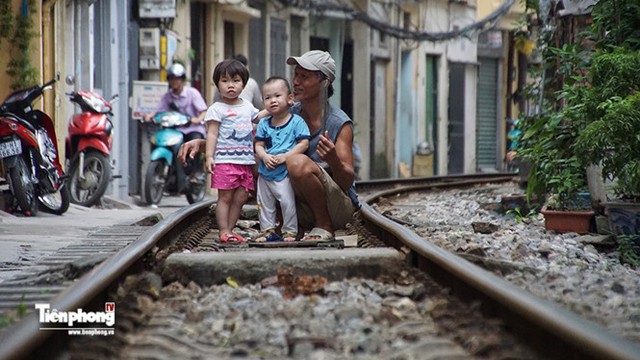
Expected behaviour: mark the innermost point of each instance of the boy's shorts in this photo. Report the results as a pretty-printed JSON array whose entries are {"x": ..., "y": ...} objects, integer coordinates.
[
  {"x": 341, "y": 209},
  {"x": 232, "y": 176}
]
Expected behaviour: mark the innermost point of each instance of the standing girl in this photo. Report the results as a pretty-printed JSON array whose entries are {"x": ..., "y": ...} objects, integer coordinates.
[{"x": 229, "y": 146}]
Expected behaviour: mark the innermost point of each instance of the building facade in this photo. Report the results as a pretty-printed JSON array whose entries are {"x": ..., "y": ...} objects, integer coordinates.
[{"x": 426, "y": 98}]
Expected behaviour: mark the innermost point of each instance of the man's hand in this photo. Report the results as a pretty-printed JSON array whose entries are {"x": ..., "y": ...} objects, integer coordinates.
[
  {"x": 326, "y": 149},
  {"x": 191, "y": 149}
]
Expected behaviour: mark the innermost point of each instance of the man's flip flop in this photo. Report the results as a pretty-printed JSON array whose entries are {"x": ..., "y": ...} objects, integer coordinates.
[{"x": 318, "y": 234}]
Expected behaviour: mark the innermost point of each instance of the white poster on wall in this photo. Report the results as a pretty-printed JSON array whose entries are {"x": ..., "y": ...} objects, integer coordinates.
[
  {"x": 157, "y": 8},
  {"x": 146, "y": 96},
  {"x": 172, "y": 46}
]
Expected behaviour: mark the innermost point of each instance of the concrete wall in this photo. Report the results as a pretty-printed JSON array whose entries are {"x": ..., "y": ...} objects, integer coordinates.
[{"x": 361, "y": 97}]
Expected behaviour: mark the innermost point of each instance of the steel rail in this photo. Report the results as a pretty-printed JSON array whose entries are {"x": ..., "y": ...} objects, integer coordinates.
[
  {"x": 390, "y": 183},
  {"x": 558, "y": 332},
  {"x": 20, "y": 341}
]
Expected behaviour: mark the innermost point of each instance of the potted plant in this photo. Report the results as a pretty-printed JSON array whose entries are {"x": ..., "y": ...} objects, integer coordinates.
[
  {"x": 612, "y": 141},
  {"x": 557, "y": 176},
  {"x": 611, "y": 109}
]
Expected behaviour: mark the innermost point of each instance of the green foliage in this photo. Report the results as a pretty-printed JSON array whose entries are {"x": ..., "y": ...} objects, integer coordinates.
[
  {"x": 549, "y": 145},
  {"x": 616, "y": 23},
  {"x": 613, "y": 140},
  {"x": 611, "y": 114},
  {"x": 629, "y": 249},
  {"x": 22, "y": 307},
  {"x": 570, "y": 58},
  {"x": 6, "y": 18},
  {"x": 19, "y": 67},
  {"x": 615, "y": 71},
  {"x": 10, "y": 318},
  {"x": 6, "y": 320},
  {"x": 589, "y": 98},
  {"x": 519, "y": 216}
]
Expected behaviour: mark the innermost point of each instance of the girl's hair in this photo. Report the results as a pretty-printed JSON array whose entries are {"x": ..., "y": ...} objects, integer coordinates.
[
  {"x": 276, "y": 78},
  {"x": 231, "y": 68}
]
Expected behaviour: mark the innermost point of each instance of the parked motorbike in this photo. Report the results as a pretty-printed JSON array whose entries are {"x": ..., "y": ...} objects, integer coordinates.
[
  {"x": 29, "y": 153},
  {"x": 88, "y": 147},
  {"x": 165, "y": 173}
]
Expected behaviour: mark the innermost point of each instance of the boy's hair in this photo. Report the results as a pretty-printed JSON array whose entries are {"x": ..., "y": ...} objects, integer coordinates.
[
  {"x": 276, "y": 78},
  {"x": 230, "y": 67}
]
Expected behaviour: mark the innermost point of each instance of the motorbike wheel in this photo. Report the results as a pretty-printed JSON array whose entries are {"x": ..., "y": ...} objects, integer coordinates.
[
  {"x": 97, "y": 174},
  {"x": 195, "y": 190},
  {"x": 56, "y": 203},
  {"x": 23, "y": 188},
  {"x": 156, "y": 179}
]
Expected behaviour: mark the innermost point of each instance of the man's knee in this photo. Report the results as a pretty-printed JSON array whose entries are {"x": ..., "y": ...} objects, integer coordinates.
[{"x": 298, "y": 166}]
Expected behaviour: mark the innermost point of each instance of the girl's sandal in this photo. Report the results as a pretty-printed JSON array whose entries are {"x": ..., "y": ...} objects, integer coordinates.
[{"x": 231, "y": 238}]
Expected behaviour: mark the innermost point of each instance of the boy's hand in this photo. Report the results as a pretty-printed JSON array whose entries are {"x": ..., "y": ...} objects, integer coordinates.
[{"x": 271, "y": 162}]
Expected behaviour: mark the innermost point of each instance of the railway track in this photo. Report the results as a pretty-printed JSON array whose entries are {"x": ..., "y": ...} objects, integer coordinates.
[{"x": 158, "y": 250}]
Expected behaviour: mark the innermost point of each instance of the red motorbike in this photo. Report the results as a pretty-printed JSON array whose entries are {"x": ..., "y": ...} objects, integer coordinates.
[
  {"x": 88, "y": 147},
  {"x": 29, "y": 152}
]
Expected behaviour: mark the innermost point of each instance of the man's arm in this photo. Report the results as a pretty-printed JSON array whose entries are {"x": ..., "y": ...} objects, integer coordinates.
[
  {"x": 147, "y": 117},
  {"x": 257, "y": 96},
  {"x": 199, "y": 106},
  {"x": 162, "y": 106},
  {"x": 198, "y": 119}
]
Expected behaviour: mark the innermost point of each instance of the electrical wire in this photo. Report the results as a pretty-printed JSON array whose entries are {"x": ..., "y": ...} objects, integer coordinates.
[{"x": 319, "y": 7}]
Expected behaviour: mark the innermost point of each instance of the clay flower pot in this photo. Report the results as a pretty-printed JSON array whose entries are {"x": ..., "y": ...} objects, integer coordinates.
[{"x": 564, "y": 221}]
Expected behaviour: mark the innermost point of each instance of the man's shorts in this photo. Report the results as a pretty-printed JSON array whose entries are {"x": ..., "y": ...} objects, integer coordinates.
[
  {"x": 340, "y": 207},
  {"x": 232, "y": 176}
]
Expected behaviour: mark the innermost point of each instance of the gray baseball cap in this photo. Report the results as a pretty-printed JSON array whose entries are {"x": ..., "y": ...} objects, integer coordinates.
[{"x": 316, "y": 60}]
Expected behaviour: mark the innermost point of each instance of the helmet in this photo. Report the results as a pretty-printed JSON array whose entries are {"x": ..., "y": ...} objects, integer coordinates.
[{"x": 176, "y": 70}]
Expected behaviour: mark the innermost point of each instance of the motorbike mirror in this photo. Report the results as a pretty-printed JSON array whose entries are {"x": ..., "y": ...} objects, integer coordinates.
[
  {"x": 70, "y": 80},
  {"x": 114, "y": 99}
]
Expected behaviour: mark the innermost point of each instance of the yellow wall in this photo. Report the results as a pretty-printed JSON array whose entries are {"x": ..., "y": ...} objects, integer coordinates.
[
  {"x": 35, "y": 49},
  {"x": 486, "y": 7}
]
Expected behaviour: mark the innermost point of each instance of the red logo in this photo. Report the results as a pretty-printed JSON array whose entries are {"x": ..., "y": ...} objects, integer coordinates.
[{"x": 109, "y": 307}]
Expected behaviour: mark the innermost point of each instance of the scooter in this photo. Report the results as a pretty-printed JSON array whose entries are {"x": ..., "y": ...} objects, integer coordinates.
[
  {"x": 165, "y": 173},
  {"x": 29, "y": 153},
  {"x": 88, "y": 147}
]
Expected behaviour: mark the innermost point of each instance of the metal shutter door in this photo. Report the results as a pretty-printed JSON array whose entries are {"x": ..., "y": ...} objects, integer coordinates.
[{"x": 487, "y": 115}]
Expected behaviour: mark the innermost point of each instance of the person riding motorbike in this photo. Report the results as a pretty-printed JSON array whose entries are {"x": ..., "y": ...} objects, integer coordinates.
[{"x": 187, "y": 101}]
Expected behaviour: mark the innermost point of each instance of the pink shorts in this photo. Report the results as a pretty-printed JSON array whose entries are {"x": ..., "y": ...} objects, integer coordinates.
[{"x": 232, "y": 176}]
